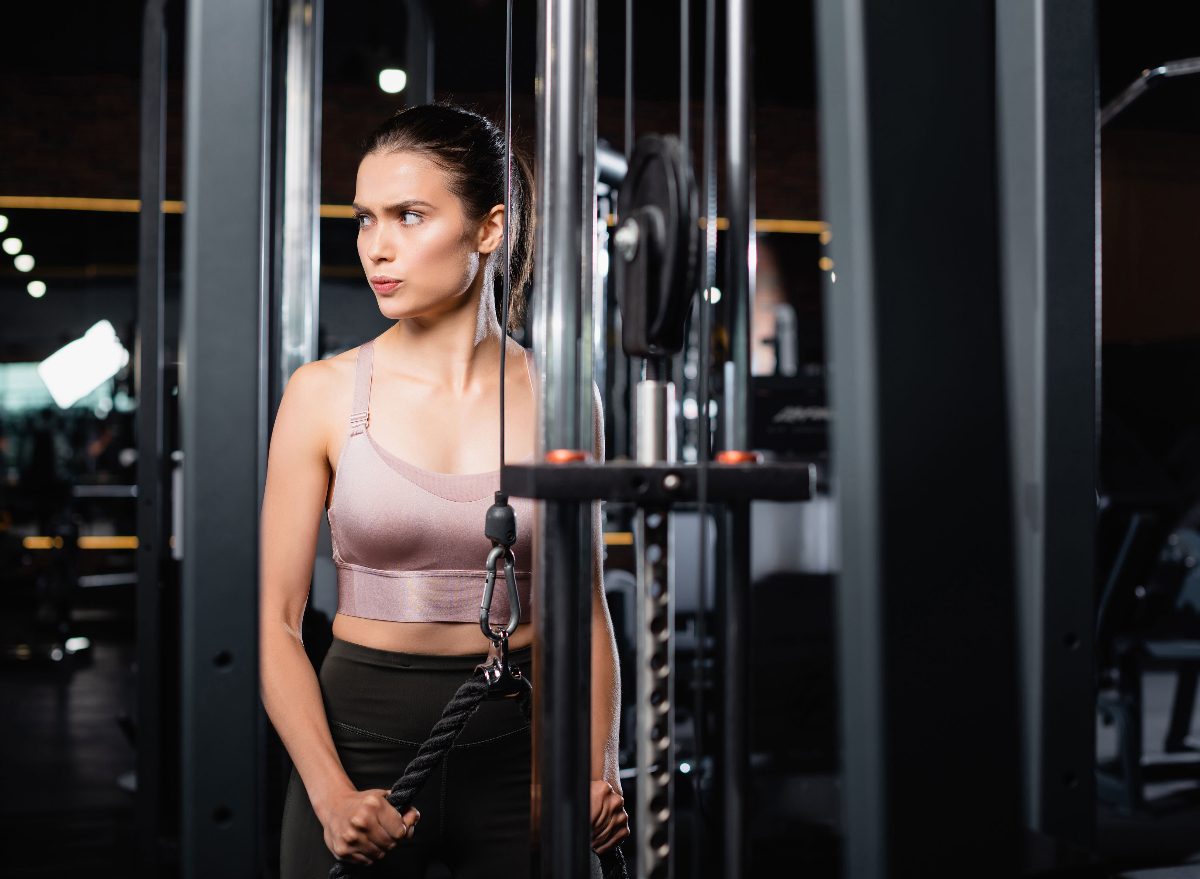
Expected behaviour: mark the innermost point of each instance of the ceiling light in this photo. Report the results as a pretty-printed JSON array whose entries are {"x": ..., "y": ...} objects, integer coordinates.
[
  {"x": 3, "y": 222},
  {"x": 75, "y": 370},
  {"x": 24, "y": 263},
  {"x": 12, "y": 246},
  {"x": 392, "y": 80},
  {"x": 37, "y": 289}
]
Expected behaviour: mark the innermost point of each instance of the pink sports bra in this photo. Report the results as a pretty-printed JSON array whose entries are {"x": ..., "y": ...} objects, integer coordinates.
[{"x": 408, "y": 543}]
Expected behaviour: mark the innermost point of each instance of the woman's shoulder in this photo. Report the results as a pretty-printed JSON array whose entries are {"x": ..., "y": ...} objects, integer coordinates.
[
  {"x": 320, "y": 378},
  {"x": 320, "y": 390}
]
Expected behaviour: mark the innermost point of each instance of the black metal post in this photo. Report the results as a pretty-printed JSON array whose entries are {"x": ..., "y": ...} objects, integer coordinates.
[
  {"x": 1046, "y": 93},
  {"x": 926, "y": 595},
  {"x": 1071, "y": 406},
  {"x": 563, "y": 669},
  {"x": 223, "y": 398},
  {"x": 150, "y": 471},
  {"x": 735, "y": 692},
  {"x": 419, "y": 88}
]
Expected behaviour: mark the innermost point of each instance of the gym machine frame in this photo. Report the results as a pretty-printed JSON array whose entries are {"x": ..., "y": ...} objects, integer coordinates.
[{"x": 569, "y": 480}]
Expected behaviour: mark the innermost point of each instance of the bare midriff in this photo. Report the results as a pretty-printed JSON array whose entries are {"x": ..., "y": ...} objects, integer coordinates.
[{"x": 439, "y": 639}]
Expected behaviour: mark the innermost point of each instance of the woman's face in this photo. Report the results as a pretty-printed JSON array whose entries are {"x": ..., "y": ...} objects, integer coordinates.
[{"x": 422, "y": 256}]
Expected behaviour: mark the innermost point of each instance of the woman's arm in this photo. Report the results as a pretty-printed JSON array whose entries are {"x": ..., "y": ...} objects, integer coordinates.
[
  {"x": 359, "y": 826},
  {"x": 610, "y": 824}
]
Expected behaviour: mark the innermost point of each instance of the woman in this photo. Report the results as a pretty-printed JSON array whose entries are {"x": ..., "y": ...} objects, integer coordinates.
[{"x": 398, "y": 441}]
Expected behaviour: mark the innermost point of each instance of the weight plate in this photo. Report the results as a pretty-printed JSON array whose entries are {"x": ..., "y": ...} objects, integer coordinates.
[{"x": 660, "y": 177}]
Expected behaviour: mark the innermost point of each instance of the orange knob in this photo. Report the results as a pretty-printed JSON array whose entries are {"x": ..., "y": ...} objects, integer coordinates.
[
  {"x": 566, "y": 456},
  {"x": 735, "y": 456}
]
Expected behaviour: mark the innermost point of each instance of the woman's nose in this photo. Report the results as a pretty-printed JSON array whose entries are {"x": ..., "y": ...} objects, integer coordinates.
[{"x": 379, "y": 246}]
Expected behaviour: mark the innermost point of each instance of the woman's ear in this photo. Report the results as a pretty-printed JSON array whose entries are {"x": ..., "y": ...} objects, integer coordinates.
[{"x": 491, "y": 230}]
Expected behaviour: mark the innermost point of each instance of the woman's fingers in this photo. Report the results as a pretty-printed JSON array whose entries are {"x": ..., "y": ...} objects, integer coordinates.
[
  {"x": 391, "y": 822},
  {"x": 610, "y": 824},
  {"x": 617, "y": 830},
  {"x": 601, "y": 805},
  {"x": 355, "y": 841}
]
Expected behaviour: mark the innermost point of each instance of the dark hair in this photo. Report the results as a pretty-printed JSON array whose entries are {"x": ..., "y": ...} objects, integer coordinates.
[{"x": 470, "y": 149}]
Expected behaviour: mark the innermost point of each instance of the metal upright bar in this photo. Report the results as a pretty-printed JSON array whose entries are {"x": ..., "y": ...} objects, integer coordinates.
[
  {"x": 419, "y": 89},
  {"x": 735, "y": 714},
  {"x": 1045, "y": 65},
  {"x": 850, "y": 321},
  {"x": 927, "y": 629},
  {"x": 734, "y": 613},
  {"x": 151, "y": 471},
  {"x": 704, "y": 438},
  {"x": 563, "y": 575},
  {"x": 223, "y": 402},
  {"x": 299, "y": 302},
  {"x": 1072, "y": 384},
  {"x": 739, "y": 166}
]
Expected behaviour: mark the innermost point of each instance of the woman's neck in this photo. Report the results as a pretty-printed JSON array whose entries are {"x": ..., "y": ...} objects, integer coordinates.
[{"x": 451, "y": 348}]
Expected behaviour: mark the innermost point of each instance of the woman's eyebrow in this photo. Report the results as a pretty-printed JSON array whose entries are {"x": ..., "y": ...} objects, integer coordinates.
[{"x": 409, "y": 204}]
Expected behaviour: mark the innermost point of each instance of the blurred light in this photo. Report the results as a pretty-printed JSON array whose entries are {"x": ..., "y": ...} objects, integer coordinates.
[
  {"x": 75, "y": 370},
  {"x": 37, "y": 289},
  {"x": 77, "y": 643},
  {"x": 833, "y": 277},
  {"x": 24, "y": 263},
  {"x": 685, "y": 768},
  {"x": 392, "y": 80},
  {"x": 42, "y": 543},
  {"x": 107, "y": 542},
  {"x": 713, "y": 294},
  {"x": 12, "y": 246},
  {"x": 690, "y": 409},
  {"x": 825, "y": 263},
  {"x": 56, "y": 654},
  {"x": 3, "y": 222},
  {"x": 825, "y": 237}
]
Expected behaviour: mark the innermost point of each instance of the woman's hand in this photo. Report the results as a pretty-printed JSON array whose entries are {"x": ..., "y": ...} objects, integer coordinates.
[
  {"x": 610, "y": 824},
  {"x": 361, "y": 826}
]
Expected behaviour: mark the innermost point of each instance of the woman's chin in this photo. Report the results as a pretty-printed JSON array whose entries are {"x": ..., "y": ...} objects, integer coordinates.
[{"x": 391, "y": 307}]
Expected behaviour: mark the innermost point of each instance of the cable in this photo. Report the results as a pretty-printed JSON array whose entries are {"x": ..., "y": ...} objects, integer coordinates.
[
  {"x": 506, "y": 245},
  {"x": 685, "y": 80},
  {"x": 629, "y": 79}
]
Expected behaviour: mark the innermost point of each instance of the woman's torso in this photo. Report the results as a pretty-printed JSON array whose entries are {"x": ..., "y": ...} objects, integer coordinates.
[{"x": 408, "y": 541}]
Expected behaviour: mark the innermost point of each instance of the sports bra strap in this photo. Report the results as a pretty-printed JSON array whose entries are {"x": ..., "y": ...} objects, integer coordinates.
[{"x": 362, "y": 388}]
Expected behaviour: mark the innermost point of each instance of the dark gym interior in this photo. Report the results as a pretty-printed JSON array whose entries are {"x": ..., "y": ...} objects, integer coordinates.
[{"x": 1091, "y": 771}]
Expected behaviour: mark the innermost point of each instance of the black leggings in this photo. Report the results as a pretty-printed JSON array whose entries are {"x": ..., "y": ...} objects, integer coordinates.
[{"x": 474, "y": 808}]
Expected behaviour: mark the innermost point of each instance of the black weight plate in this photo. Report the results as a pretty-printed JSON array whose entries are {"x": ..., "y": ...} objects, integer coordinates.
[{"x": 658, "y": 175}]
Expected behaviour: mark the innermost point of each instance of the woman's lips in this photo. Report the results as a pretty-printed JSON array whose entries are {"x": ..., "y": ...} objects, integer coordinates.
[{"x": 384, "y": 284}]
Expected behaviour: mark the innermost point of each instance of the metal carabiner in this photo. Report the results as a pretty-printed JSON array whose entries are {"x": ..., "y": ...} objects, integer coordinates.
[
  {"x": 503, "y": 678},
  {"x": 514, "y": 600}
]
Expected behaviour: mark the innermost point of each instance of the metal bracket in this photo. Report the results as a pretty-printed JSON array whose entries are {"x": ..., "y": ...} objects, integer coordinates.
[{"x": 659, "y": 483}]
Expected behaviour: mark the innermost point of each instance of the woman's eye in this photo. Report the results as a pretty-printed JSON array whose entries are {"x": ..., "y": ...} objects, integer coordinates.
[
  {"x": 410, "y": 218},
  {"x": 362, "y": 220}
]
